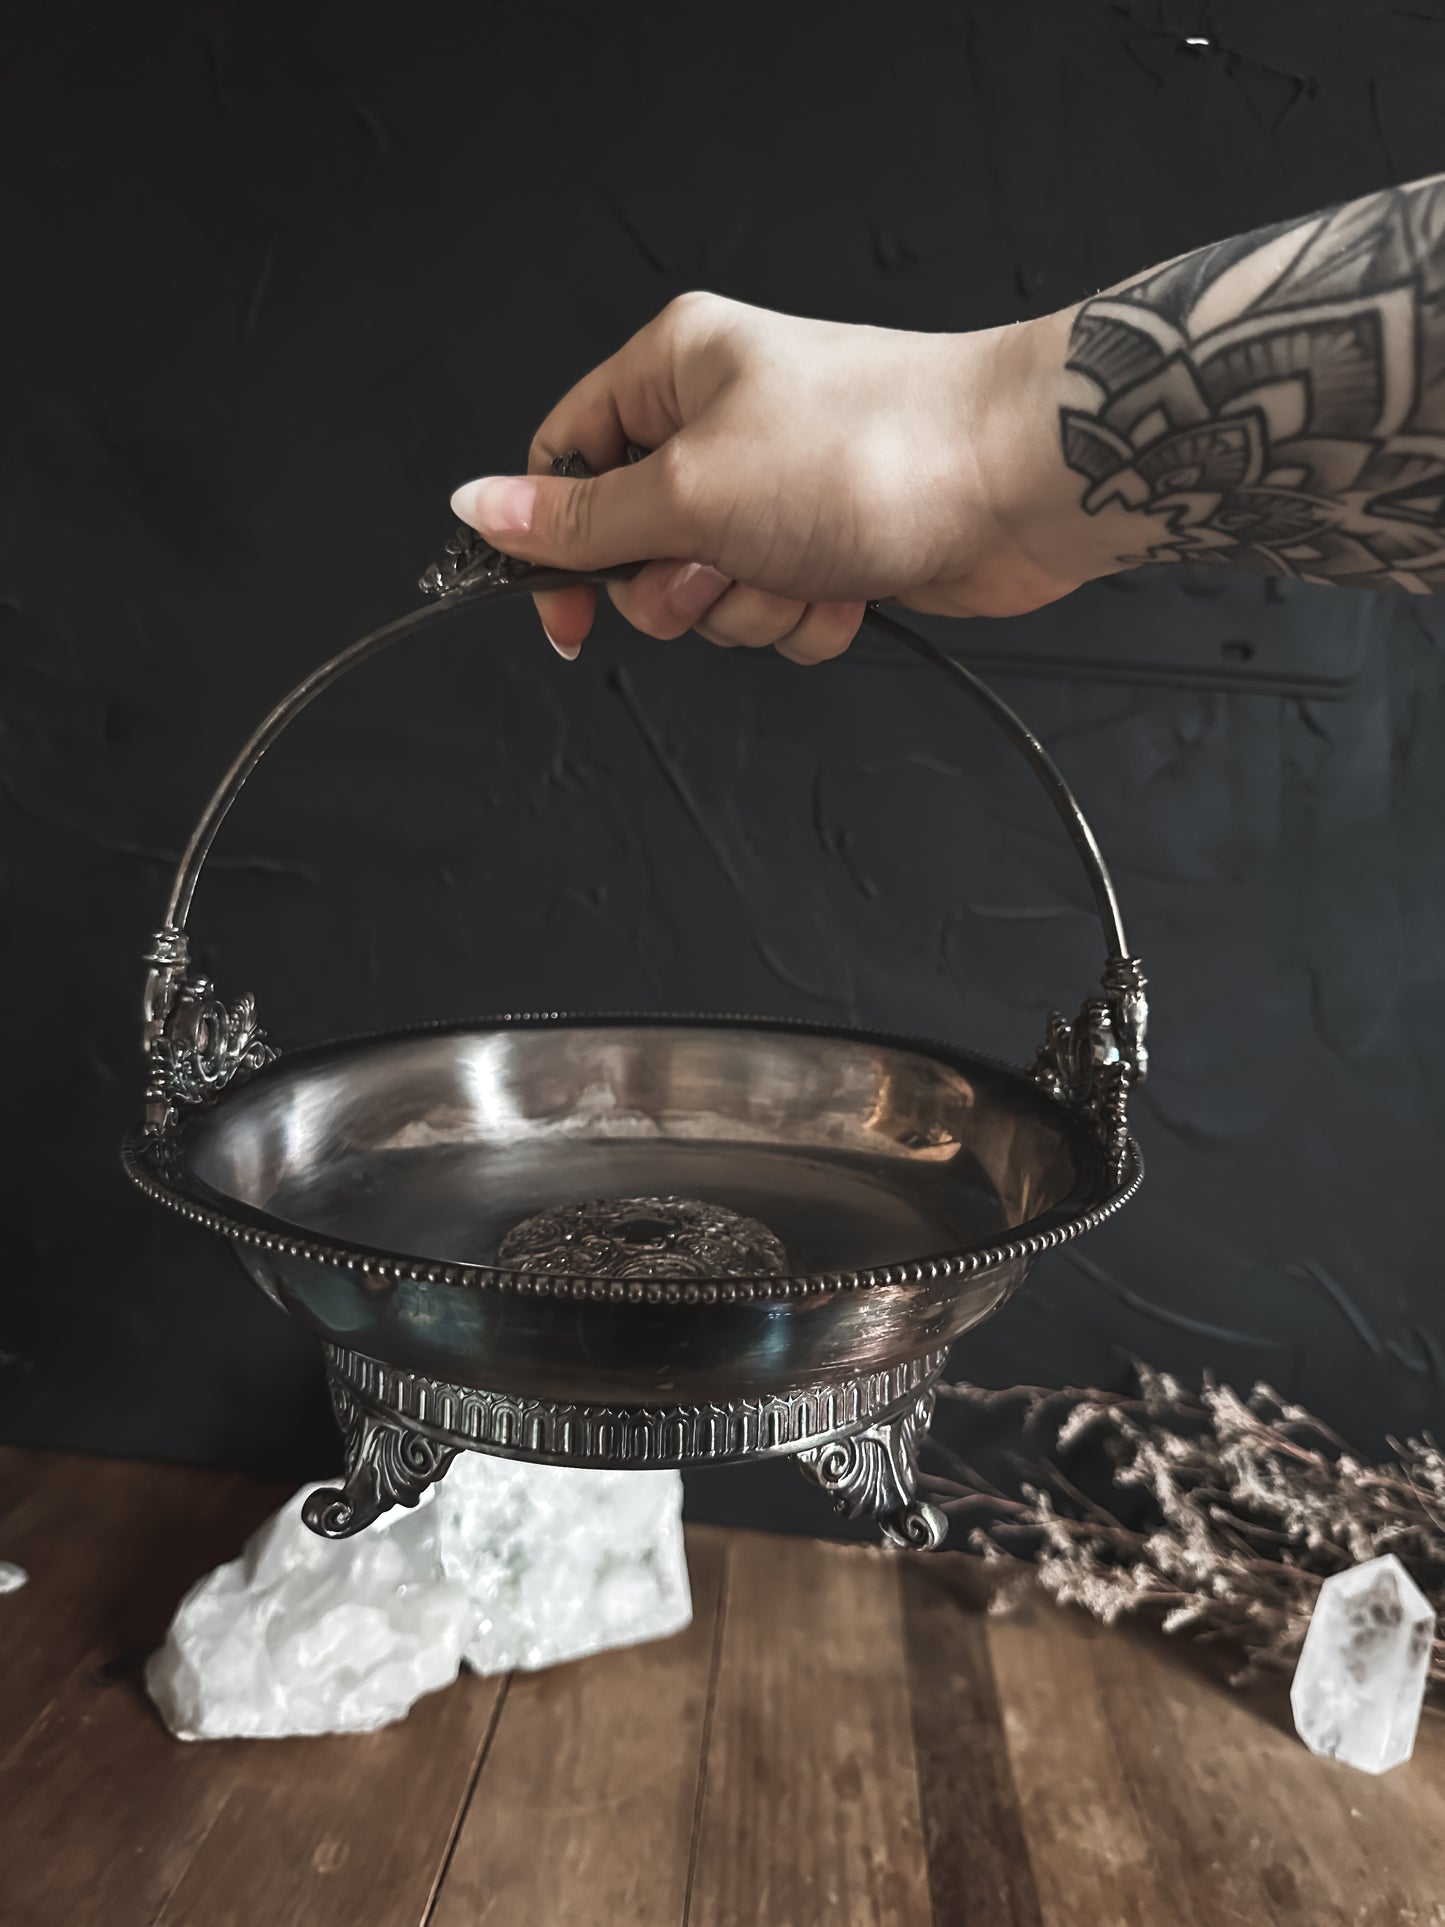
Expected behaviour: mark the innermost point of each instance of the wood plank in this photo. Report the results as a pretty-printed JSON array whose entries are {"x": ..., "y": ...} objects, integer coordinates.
[
  {"x": 22, "y": 1468},
  {"x": 1153, "y": 1791},
  {"x": 584, "y": 1810},
  {"x": 105, "y": 1819},
  {"x": 810, "y": 1811},
  {"x": 1247, "y": 1822},
  {"x": 110, "y": 1546},
  {"x": 1065, "y": 1775},
  {"x": 978, "y": 1861},
  {"x": 102, "y": 1813},
  {"x": 112, "y": 1823},
  {"x": 1093, "y": 1857},
  {"x": 341, "y": 1831}
]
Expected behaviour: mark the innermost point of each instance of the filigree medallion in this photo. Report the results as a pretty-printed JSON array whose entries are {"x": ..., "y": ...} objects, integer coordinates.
[{"x": 644, "y": 1238}]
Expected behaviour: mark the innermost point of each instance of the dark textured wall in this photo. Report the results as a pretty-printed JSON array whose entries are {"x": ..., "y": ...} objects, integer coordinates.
[{"x": 277, "y": 280}]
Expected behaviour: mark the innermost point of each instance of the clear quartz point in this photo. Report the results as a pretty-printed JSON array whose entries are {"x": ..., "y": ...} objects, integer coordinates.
[{"x": 1360, "y": 1680}]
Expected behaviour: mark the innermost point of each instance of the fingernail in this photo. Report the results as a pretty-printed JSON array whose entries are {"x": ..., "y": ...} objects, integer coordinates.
[
  {"x": 497, "y": 504},
  {"x": 568, "y": 653},
  {"x": 694, "y": 587}
]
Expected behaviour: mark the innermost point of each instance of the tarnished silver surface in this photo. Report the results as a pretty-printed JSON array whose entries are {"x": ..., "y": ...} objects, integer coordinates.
[
  {"x": 667, "y": 1232},
  {"x": 643, "y": 1238},
  {"x": 196, "y": 1044},
  {"x": 857, "y": 1437},
  {"x": 388, "y": 1463},
  {"x": 620, "y": 1436},
  {"x": 1094, "y": 1062},
  {"x": 369, "y": 1186},
  {"x": 873, "y": 1474}
]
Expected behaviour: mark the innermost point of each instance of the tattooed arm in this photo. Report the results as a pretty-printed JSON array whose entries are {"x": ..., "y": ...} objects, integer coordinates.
[{"x": 1275, "y": 401}]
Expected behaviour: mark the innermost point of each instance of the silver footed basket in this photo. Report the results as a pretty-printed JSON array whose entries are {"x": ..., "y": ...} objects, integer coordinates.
[{"x": 632, "y": 1241}]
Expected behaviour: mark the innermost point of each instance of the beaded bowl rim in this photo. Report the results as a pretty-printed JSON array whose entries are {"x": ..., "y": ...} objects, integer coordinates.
[{"x": 154, "y": 1159}]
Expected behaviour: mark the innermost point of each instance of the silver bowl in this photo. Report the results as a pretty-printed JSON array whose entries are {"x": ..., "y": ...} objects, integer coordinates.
[{"x": 633, "y": 1241}]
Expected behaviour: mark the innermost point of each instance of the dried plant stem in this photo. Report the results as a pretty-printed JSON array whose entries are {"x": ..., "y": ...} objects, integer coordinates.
[{"x": 1251, "y": 1504}]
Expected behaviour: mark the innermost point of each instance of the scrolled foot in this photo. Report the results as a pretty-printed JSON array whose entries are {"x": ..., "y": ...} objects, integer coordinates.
[
  {"x": 874, "y": 1475},
  {"x": 919, "y": 1526},
  {"x": 387, "y": 1464}
]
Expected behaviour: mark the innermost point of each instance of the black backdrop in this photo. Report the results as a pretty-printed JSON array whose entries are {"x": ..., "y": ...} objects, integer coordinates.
[{"x": 278, "y": 279}]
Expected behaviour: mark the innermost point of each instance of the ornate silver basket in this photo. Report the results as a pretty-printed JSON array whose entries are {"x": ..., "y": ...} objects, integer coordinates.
[{"x": 632, "y": 1241}]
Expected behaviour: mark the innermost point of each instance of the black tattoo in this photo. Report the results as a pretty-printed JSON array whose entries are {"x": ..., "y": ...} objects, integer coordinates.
[{"x": 1301, "y": 430}]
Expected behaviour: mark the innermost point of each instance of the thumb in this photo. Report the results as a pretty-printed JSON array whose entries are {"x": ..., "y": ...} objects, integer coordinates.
[{"x": 627, "y": 514}]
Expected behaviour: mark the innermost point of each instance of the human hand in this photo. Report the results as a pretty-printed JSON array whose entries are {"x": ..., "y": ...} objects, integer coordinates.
[{"x": 799, "y": 470}]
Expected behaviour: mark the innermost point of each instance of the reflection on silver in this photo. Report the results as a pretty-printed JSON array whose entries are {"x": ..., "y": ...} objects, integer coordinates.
[
  {"x": 374, "y": 1188},
  {"x": 644, "y": 1238}
]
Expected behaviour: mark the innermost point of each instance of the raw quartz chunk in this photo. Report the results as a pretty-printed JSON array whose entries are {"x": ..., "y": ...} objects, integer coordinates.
[
  {"x": 1360, "y": 1681},
  {"x": 502, "y": 1565}
]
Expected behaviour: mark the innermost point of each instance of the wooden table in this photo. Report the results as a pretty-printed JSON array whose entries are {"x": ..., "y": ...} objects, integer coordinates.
[{"x": 843, "y": 1736}]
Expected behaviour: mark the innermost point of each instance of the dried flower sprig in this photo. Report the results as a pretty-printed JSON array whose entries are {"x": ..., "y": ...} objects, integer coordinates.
[{"x": 1250, "y": 1504}]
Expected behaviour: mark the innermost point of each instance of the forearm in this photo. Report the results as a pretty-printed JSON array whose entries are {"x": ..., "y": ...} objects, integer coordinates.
[{"x": 1276, "y": 401}]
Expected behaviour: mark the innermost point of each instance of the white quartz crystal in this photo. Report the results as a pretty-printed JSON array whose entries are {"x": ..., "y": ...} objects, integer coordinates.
[
  {"x": 557, "y": 1563},
  {"x": 12, "y": 1577},
  {"x": 1360, "y": 1681},
  {"x": 501, "y": 1565}
]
